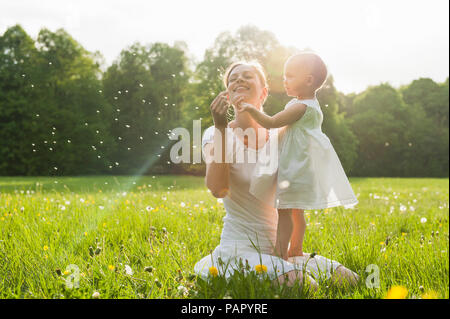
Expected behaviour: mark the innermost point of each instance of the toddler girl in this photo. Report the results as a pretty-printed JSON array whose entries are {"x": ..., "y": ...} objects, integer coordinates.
[{"x": 310, "y": 175}]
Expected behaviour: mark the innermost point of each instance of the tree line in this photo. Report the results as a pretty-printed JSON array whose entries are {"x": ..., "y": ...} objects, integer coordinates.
[{"x": 63, "y": 112}]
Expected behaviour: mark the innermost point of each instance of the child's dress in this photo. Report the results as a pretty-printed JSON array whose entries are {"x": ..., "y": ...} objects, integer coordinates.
[{"x": 310, "y": 174}]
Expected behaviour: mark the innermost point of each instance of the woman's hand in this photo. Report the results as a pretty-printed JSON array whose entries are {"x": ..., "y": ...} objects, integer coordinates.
[{"x": 219, "y": 109}]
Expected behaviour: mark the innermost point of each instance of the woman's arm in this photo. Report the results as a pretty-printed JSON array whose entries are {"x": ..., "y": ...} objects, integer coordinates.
[
  {"x": 217, "y": 174},
  {"x": 285, "y": 117}
]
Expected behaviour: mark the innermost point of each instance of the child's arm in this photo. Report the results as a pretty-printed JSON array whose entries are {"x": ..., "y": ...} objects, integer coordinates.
[{"x": 283, "y": 118}]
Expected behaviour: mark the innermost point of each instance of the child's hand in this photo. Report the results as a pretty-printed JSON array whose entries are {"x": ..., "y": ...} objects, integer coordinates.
[{"x": 245, "y": 107}]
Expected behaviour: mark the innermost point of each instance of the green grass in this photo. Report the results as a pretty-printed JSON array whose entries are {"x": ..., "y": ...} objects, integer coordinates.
[{"x": 170, "y": 222}]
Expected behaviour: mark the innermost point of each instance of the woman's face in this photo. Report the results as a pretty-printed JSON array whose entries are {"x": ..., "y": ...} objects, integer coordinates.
[{"x": 244, "y": 81}]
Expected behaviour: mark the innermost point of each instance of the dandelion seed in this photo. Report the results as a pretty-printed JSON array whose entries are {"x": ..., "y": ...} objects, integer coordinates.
[
  {"x": 423, "y": 220},
  {"x": 128, "y": 270},
  {"x": 140, "y": 84},
  {"x": 402, "y": 208},
  {"x": 96, "y": 295},
  {"x": 283, "y": 184},
  {"x": 182, "y": 204},
  {"x": 101, "y": 207}
]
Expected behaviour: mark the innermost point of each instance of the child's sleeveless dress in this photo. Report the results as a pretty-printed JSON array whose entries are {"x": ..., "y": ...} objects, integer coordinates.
[{"x": 310, "y": 174}]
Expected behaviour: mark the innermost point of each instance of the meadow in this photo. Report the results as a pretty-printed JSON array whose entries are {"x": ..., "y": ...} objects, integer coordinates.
[{"x": 140, "y": 237}]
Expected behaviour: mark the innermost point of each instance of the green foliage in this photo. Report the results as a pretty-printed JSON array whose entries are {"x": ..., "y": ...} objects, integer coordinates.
[
  {"x": 61, "y": 115},
  {"x": 103, "y": 223}
]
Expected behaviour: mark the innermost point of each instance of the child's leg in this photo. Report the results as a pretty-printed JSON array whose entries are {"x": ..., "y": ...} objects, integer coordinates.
[
  {"x": 298, "y": 233},
  {"x": 284, "y": 233}
]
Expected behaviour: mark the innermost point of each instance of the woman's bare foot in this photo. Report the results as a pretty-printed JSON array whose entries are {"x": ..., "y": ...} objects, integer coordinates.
[
  {"x": 343, "y": 276},
  {"x": 293, "y": 276}
]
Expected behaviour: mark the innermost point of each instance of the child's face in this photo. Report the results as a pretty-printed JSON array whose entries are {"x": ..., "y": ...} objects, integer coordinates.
[{"x": 297, "y": 78}]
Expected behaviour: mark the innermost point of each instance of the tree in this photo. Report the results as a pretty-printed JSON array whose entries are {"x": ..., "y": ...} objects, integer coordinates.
[{"x": 146, "y": 87}]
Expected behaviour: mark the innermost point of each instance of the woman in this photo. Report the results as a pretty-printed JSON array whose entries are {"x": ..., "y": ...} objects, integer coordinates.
[{"x": 250, "y": 225}]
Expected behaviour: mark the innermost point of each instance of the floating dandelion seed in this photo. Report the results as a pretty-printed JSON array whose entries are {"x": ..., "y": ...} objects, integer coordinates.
[
  {"x": 68, "y": 141},
  {"x": 119, "y": 138},
  {"x": 127, "y": 126},
  {"x": 140, "y": 84},
  {"x": 101, "y": 207},
  {"x": 141, "y": 137},
  {"x": 423, "y": 220},
  {"x": 96, "y": 295},
  {"x": 283, "y": 184},
  {"x": 402, "y": 208},
  {"x": 98, "y": 111},
  {"x": 386, "y": 144},
  {"x": 128, "y": 270},
  {"x": 118, "y": 110},
  {"x": 37, "y": 115}
]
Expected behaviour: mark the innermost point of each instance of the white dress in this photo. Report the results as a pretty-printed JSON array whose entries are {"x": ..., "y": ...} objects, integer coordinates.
[
  {"x": 310, "y": 174},
  {"x": 250, "y": 225}
]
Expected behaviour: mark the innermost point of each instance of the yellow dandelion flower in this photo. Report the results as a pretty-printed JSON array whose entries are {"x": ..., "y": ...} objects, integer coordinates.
[
  {"x": 404, "y": 234},
  {"x": 397, "y": 292},
  {"x": 66, "y": 272},
  {"x": 213, "y": 271},
  {"x": 430, "y": 295},
  {"x": 85, "y": 233},
  {"x": 111, "y": 267},
  {"x": 381, "y": 242},
  {"x": 45, "y": 248},
  {"x": 260, "y": 269}
]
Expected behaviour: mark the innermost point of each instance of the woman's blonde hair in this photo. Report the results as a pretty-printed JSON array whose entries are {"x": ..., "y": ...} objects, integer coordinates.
[{"x": 254, "y": 64}]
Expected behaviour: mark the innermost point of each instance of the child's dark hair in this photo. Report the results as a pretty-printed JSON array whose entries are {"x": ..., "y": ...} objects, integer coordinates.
[{"x": 318, "y": 68}]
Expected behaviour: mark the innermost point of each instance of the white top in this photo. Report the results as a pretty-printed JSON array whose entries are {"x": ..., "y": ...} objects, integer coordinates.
[
  {"x": 310, "y": 174},
  {"x": 250, "y": 225}
]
